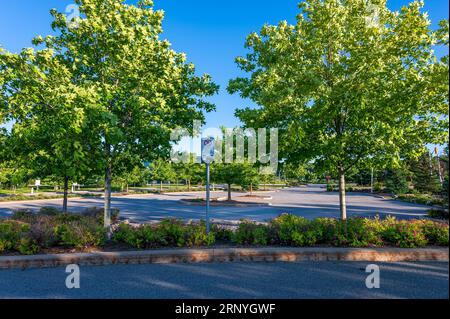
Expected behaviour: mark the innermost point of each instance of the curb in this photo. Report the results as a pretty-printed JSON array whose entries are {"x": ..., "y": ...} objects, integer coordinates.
[{"x": 226, "y": 255}]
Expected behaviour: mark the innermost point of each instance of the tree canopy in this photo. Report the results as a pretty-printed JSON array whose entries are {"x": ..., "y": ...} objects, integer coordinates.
[
  {"x": 351, "y": 83},
  {"x": 133, "y": 86}
]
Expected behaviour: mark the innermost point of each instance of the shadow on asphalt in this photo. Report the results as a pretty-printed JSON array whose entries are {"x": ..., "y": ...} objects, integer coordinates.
[
  {"x": 152, "y": 209},
  {"x": 310, "y": 280}
]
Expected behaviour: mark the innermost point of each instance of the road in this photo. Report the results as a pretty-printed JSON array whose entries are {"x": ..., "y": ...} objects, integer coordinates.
[
  {"x": 305, "y": 280},
  {"x": 310, "y": 202}
]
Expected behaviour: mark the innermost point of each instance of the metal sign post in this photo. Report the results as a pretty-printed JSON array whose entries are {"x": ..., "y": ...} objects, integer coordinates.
[
  {"x": 207, "y": 158},
  {"x": 207, "y": 198}
]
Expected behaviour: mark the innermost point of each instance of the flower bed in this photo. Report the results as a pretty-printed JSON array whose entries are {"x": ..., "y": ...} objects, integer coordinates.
[{"x": 29, "y": 233}]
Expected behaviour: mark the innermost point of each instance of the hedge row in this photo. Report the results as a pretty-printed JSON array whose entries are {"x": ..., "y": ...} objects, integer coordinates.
[
  {"x": 290, "y": 230},
  {"x": 29, "y": 233}
]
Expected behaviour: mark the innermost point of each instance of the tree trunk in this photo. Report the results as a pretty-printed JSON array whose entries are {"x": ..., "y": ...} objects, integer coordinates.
[
  {"x": 160, "y": 186},
  {"x": 107, "y": 217},
  {"x": 342, "y": 194},
  {"x": 189, "y": 185},
  {"x": 66, "y": 194},
  {"x": 251, "y": 189},
  {"x": 229, "y": 192}
]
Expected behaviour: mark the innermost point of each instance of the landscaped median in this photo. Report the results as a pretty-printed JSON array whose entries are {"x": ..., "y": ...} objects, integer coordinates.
[{"x": 55, "y": 234}]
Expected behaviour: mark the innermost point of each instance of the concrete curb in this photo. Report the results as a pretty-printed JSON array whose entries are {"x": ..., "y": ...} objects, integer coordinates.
[{"x": 272, "y": 254}]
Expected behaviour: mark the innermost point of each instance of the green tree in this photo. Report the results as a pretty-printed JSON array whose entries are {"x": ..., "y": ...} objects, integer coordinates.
[
  {"x": 425, "y": 177},
  {"x": 191, "y": 172},
  {"x": 50, "y": 134},
  {"x": 396, "y": 181},
  {"x": 162, "y": 171},
  {"x": 141, "y": 87},
  {"x": 242, "y": 174},
  {"x": 350, "y": 84},
  {"x": 137, "y": 176},
  {"x": 295, "y": 171}
]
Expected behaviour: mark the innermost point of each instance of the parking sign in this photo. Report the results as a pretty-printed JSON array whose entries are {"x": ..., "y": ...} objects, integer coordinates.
[{"x": 207, "y": 150}]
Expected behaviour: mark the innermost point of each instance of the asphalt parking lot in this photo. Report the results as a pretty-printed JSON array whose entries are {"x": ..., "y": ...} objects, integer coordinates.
[{"x": 311, "y": 202}]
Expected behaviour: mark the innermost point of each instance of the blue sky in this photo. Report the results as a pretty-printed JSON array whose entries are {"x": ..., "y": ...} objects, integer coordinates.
[{"x": 211, "y": 32}]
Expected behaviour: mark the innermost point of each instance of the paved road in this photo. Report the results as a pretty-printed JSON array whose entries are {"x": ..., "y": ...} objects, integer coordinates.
[
  {"x": 311, "y": 202},
  {"x": 233, "y": 280}
]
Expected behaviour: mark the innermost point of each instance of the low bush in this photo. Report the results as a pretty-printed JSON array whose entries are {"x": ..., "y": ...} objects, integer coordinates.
[
  {"x": 438, "y": 213},
  {"x": 169, "y": 232},
  {"x": 294, "y": 231},
  {"x": 222, "y": 233},
  {"x": 423, "y": 199},
  {"x": 405, "y": 234},
  {"x": 50, "y": 211},
  {"x": 82, "y": 233},
  {"x": 357, "y": 232},
  {"x": 10, "y": 234},
  {"x": 250, "y": 233},
  {"x": 28, "y": 233},
  {"x": 435, "y": 233}
]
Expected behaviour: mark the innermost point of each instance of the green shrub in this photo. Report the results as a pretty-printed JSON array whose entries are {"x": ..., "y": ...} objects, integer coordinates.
[
  {"x": 356, "y": 232},
  {"x": 324, "y": 228},
  {"x": 378, "y": 187},
  {"x": 14, "y": 237},
  {"x": 250, "y": 233},
  {"x": 27, "y": 246},
  {"x": 307, "y": 238},
  {"x": 438, "y": 213},
  {"x": 169, "y": 232},
  {"x": 24, "y": 215},
  {"x": 28, "y": 233},
  {"x": 405, "y": 234},
  {"x": 435, "y": 233},
  {"x": 50, "y": 211},
  {"x": 81, "y": 233},
  {"x": 222, "y": 233},
  {"x": 42, "y": 231},
  {"x": 67, "y": 218},
  {"x": 10, "y": 233},
  {"x": 423, "y": 199},
  {"x": 140, "y": 237},
  {"x": 196, "y": 235},
  {"x": 293, "y": 230}
]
